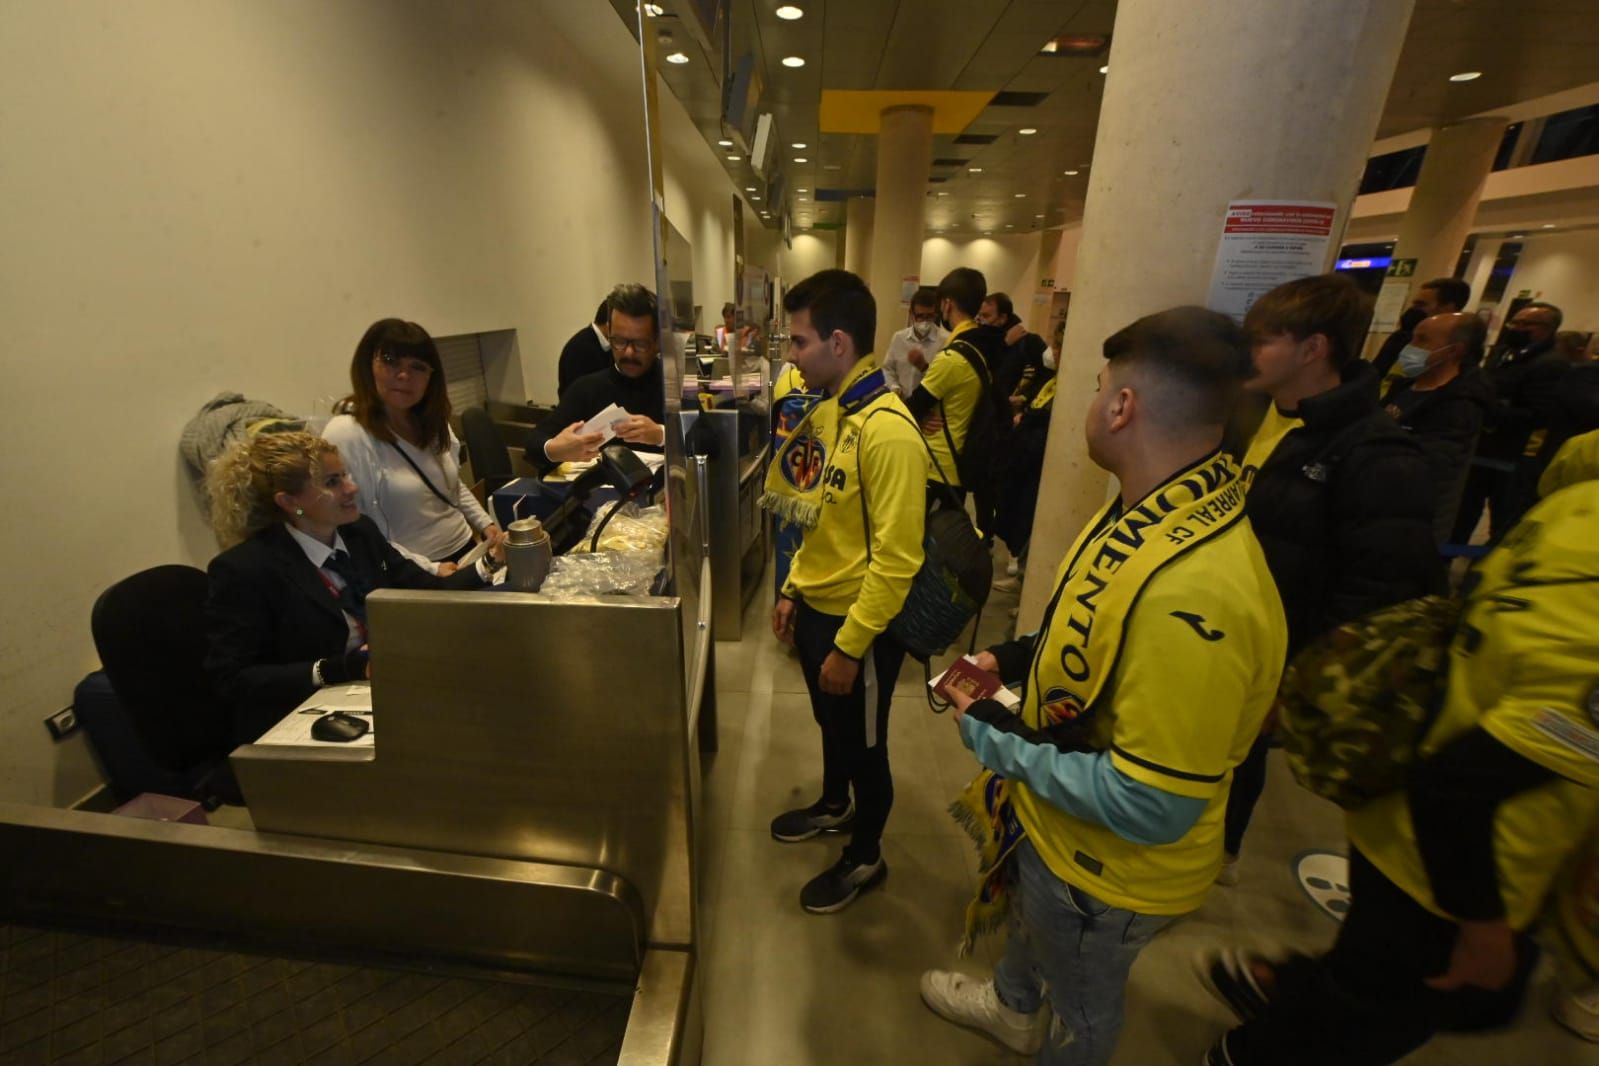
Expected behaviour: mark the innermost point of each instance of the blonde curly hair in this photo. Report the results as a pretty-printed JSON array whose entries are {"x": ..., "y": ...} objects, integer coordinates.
[{"x": 244, "y": 479}]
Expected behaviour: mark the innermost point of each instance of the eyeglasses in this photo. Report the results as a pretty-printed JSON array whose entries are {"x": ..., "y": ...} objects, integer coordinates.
[
  {"x": 396, "y": 364},
  {"x": 632, "y": 344}
]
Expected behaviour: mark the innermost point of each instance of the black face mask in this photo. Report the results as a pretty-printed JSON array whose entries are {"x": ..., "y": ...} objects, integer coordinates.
[
  {"x": 1515, "y": 338},
  {"x": 1412, "y": 318}
]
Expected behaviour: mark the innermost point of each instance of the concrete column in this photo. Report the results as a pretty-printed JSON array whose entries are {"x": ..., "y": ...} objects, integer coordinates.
[
  {"x": 1204, "y": 103},
  {"x": 1481, "y": 267},
  {"x": 904, "y": 161},
  {"x": 1458, "y": 161},
  {"x": 857, "y": 243}
]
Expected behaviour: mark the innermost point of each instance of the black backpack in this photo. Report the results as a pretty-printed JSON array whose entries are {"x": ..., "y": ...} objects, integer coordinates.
[
  {"x": 975, "y": 462},
  {"x": 957, "y": 569}
]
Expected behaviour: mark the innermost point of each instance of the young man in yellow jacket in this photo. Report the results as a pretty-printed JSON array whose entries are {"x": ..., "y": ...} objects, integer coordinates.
[{"x": 855, "y": 473}]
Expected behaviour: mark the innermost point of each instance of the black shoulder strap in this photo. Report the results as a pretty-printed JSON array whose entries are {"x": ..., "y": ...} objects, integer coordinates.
[
  {"x": 860, "y": 467},
  {"x": 425, "y": 479}
]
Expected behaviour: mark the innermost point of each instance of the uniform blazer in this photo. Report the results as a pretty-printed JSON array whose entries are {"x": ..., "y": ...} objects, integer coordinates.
[{"x": 269, "y": 616}]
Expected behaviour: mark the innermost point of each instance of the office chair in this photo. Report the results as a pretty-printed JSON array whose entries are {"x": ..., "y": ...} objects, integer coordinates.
[
  {"x": 491, "y": 461},
  {"x": 149, "y": 629}
]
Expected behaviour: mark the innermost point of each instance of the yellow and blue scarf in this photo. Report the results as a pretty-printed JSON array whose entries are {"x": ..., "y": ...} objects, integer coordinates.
[{"x": 794, "y": 480}]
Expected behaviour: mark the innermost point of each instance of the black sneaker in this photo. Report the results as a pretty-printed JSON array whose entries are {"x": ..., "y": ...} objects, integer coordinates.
[
  {"x": 837, "y": 887},
  {"x": 1229, "y": 973},
  {"x": 793, "y": 826}
]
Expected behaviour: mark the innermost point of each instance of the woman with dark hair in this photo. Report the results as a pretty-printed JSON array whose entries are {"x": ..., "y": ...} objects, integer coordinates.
[
  {"x": 397, "y": 444},
  {"x": 287, "y": 607}
]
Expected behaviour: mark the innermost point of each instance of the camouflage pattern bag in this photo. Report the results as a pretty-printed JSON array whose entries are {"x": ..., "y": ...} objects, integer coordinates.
[{"x": 1356, "y": 703}]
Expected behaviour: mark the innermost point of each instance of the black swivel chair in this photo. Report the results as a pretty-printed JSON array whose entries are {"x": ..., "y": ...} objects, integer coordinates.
[
  {"x": 491, "y": 461},
  {"x": 173, "y": 733}
]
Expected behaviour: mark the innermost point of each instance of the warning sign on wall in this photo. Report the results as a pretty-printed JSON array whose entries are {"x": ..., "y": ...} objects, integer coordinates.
[{"x": 1265, "y": 243}]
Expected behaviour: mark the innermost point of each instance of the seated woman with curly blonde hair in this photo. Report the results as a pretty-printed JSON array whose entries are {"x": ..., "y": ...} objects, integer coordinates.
[{"x": 287, "y": 608}]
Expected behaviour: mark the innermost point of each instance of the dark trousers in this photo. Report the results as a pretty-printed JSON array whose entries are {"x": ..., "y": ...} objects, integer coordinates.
[
  {"x": 1364, "y": 1002},
  {"x": 1497, "y": 489},
  {"x": 852, "y": 756},
  {"x": 1249, "y": 781}
]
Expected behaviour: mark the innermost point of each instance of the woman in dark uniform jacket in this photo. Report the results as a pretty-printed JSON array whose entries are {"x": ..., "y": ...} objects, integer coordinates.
[{"x": 287, "y": 611}]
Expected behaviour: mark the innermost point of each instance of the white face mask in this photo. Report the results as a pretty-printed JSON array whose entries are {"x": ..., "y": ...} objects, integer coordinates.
[
  {"x": 1049, "y": 359},
  {"x": 922, "y": 330}
]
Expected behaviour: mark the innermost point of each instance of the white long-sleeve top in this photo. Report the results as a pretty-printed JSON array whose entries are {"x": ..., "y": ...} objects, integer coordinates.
[
  {"x": 414, "y": 519},
  {"x": 898, "y": 371}
]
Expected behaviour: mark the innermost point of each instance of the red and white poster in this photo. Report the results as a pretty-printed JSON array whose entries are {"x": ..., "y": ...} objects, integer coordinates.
[{"x": 1265, "y": 243}]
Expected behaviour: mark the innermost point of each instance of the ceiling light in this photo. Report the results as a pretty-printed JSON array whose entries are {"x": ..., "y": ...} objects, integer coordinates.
[
  {"x": 801, "y": 159},
  {"x": 1548, "y": 225},
  {"x": 757, "y": 199},
  {"x": 988, "y": 233},
  {"x": 788, "y": 13},
  {"x": 1027, "y": 131},
  {"x": 943, "y": 194},
  {"x": 1010, "y": 225},
  {"x": 974, "y": 170},
  {"x": 677, "y": 57},
  {"x": 1072, "y": 173},
  {"x": 1105, "y": 69},
  {"x": 1466, "y": 75},
  {"x": 1039, "y": 215},
  {"x": 1021, "y": 196},
  {"x": 749, "y": 188},
  {"x": 793, "y": 61},
  {"x": 734, "y": 158},
  {"x": 831, "y": 166},
  {"x": 799, "y": 145},
  {"x": 724, "y": 143},
  {"x": 654, "y": 11},
  {"x": 802, "y": 190},
  {"x": 1075, "y": 44},
  {"x": 1517, "y": 236}
]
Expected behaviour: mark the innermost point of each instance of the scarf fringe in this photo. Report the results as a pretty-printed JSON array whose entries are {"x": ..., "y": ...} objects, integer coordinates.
[{"x": 792, "y": 509}]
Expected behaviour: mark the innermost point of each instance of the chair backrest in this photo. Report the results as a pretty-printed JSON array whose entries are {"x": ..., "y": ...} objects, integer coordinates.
[
  {"x": 150, "y": 632},
  {"x": 490, "y": 458}
]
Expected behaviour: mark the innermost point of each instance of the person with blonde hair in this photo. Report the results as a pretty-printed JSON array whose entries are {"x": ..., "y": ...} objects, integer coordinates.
[
  {"x": 287, "y": 606},
  {"x": 397, "y": 444}
]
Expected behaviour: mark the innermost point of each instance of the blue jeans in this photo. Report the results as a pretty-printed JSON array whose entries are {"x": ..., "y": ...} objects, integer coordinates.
[{"x": 1070, "y": 947}]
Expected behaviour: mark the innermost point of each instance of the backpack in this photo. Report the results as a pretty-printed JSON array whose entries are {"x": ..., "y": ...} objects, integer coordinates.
[
  {"x": 1354, "y": 706},
  {"x": 974, "y": 462},
  {"x": 952, "y": 584}
]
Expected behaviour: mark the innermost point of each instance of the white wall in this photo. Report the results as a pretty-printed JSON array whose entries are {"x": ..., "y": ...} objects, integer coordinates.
[
  {"x": 208, "y": 195},
  {"x": 1563, "y": 269},
  {"x": 1009, "y": 263}
]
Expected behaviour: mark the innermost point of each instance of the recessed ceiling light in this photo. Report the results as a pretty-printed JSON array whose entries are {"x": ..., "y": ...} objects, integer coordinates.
[
  {"x": 793, "y": 61},
  {"x": 677, "y": 57},
  {"x": 974, "y": 170},
  {"x": 943, "y": 194},
  {"x": 1466, "y": 75},
  {"x": 755, "y": 198},
  {"x": 831, "y": 166},
  {"x": 799, "y": 145},
  {"x": 788, "y": 13},
  {"x": 1517, "y": 236},
  {"x": 734, "y": 158},
  {"x": 1548, "y": 225},
  {"x": 1021, "y": 196},
  {"x": 988, "y": 233},
  {"x": 1072, "y": 173},
  {"x": 749, "y": 188},
  {"x": 1010, "y": 225},
  {"x": 801, "y": 159},
  {"x": 654, "y": 11},
  {"x": 802, "y": 190},
  {"x": 1105, "y": 69},
  {"x": 1039, "y": 215},
  {"x": 1027, "y": 131},
  {"x": 724, "y": 143}
]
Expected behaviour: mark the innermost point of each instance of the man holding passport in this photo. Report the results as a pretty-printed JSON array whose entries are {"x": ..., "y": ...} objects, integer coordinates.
[
  {"x": 853, "y": 473},
  {"x": 1099, "y": 813}
]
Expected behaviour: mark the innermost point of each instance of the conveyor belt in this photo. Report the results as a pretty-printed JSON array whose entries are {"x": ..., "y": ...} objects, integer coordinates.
[{"x": 70, "y": 997}]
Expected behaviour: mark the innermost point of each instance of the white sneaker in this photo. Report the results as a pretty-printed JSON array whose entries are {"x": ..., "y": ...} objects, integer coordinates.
[
  {"x": 1227, "y": 876},
  {"x": 974, "y": 1004},
  {"x": 1578, "y": 1011}
]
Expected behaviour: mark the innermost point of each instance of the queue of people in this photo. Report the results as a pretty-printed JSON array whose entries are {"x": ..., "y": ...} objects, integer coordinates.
[{"x": 1119, "y": 790}]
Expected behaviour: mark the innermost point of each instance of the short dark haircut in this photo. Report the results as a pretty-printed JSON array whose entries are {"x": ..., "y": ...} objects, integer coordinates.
[
  {"x": 837, "y": 301},
  {"x": 1329, "y": 304},
  {"x": 728, "y": 309},
  {"x": 1472, "y": 334},
  {"x": 967, "y": 287},
  {"x": 602, "y": 315},
  {"x": 1002, "y": 303},
  {"x": 1539, "y": 305},
  {"x": 925, "y": 296},
  {"x": 634, "y": 301},
  {"x": 403, "y": 340},
  {"x": 1196, "y": 357},
  {"x": 1451, "y": 291}
]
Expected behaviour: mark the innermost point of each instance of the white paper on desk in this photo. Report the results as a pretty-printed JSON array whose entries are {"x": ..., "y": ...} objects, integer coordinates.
[
  {"x": 601, "y": 423},
  {"x": 653, "y": 460}
]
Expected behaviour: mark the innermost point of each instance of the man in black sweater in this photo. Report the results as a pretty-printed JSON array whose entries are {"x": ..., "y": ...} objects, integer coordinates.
[
  {"x": 1340, "y": 497},
  {"x": 633, "y": 382},
  {"x": 589, "y": 350}
]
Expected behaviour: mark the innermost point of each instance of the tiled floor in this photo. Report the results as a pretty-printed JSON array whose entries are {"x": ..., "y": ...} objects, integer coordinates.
[{"x": 784, "y": 988}]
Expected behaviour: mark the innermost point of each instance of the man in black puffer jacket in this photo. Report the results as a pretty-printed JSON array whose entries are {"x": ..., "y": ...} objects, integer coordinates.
[{"x": 1341, "y": 499}]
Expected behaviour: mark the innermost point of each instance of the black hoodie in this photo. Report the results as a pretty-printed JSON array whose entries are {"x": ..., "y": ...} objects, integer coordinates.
[{"x": 1446, "y": 421}]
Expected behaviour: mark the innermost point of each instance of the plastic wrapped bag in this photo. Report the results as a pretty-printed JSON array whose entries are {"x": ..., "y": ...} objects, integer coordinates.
[
  {"x": 606, "y": 573},
  {"x": 633, "y": 528}
]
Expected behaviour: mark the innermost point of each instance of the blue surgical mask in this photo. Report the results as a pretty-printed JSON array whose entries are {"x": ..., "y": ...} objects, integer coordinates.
[{"x": 1413, "y": 360}]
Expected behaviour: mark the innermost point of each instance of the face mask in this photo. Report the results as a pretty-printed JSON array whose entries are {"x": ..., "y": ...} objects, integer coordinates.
[
  {"x": 1049, "y": 359},
  {"x": 1413, "y": 360},
  {"x": 1515, "y": 338},
  {"x": 1412, "y": 318},
  {"x": 922, "y": 330}
]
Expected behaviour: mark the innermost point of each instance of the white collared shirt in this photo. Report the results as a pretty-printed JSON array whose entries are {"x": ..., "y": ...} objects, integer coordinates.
[
  {"x": 901, "y": 375},
  {"x": 318, "y": 553},
  {"x": 605, "y": 342}
]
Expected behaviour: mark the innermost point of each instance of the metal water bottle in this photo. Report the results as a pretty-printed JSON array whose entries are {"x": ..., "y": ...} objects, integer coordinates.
[{"x": 527, "y": 555}]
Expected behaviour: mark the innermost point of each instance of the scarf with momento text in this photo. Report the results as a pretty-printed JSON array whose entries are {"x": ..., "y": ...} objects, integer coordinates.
[
  {"x": 1080, "y": 640},
  {"x": 794, "y": 480}
]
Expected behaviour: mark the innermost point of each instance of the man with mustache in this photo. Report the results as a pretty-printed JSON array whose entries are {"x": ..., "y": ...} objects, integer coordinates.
[{"x": 632, "y": 382}]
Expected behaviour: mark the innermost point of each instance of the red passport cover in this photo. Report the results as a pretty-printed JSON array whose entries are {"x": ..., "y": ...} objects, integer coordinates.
[{"x": 966, "y": 676}]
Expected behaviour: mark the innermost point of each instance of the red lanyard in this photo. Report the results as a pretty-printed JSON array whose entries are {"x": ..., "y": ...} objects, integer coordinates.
[{"x": 333, "y": 590}]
